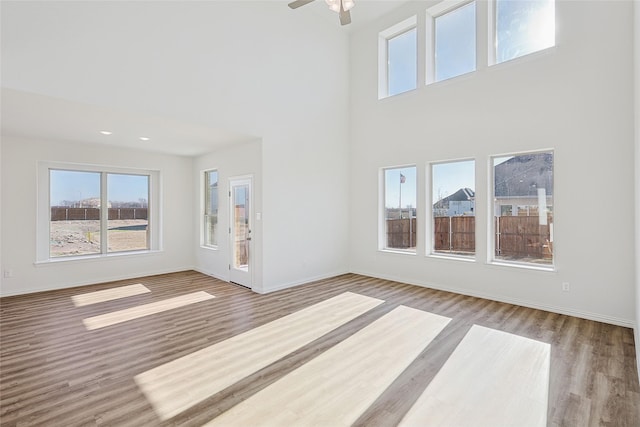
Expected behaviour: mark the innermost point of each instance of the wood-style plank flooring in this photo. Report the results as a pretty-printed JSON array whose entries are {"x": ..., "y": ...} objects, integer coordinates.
[{"x": 56, "y": 372}]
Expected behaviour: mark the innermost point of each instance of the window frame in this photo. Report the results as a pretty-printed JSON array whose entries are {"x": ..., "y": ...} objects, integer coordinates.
[
  {"x": 491, "y": 208},
  {"x": 492, "y": 21},
  {"x": 104, "y": 184},
  {"x": 434, "y": 12},
  {"x": 430, "y": 229},
  {"x": 382, "y": 226},
  {"x": 203, "y": 212},
  {"x": 384, "y": 36},
  {"x": 43, "y": 224}
]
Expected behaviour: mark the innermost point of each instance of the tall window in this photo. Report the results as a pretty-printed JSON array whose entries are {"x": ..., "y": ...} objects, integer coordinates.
[
  {"x": 75, "y": 198},
  {"x": 94, "y": 212},
  {"x": 455, "y": 41},
  {"x": 523, "y": 208},
  {"x": 128, "y": 219},
  {"x": 400, "y": 208},
  {"x": 398, "y": 58},
  {"x": 453, "y": 203},
  {"x": 402, "y": 62},
  {"x": 523, "y": 27},
  {"x": 211, "y": 208}
]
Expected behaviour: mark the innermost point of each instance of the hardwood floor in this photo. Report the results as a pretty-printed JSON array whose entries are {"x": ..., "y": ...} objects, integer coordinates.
[{"x": 56, "y": 372}]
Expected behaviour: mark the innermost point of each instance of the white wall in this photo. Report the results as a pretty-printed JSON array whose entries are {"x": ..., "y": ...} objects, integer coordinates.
[
  {"x": 252, "y": 67},
  {"x": 1, "y": 228},
  {"x": 636, "y": 27},
  {"x": 242, "y": 160},
  {"x": 575, "y": 98},
  {"x": 20, "y": 159}
]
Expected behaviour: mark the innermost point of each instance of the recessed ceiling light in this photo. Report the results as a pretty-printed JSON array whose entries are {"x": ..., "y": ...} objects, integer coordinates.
[
  {"x": 144, "y": 138},
  {"x": 106, "y": 132}
]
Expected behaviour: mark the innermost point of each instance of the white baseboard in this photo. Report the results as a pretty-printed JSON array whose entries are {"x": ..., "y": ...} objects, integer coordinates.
[
  {"x": 101, "y": 281},
  {"x": 627, "y": 323},
  {"x": 636, "y": 334}
]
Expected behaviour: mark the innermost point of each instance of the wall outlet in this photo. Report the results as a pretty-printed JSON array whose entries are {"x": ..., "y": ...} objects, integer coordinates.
[
  {"x": 565, "y": 287},
  {"x": 7, "y": 274}
]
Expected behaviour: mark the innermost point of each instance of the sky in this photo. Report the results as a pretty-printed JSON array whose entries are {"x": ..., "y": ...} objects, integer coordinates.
[
  {"x": 402, "y": 62},
  {"x": 394, "y": 190},
  {"x": 75, "y": 186},
  {"x": 447, "y": 178},
  {"x": 455, "y": 42},
  {"x": 523, "y": 27}
]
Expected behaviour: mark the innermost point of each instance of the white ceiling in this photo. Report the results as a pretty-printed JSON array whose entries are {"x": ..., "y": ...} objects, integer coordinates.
[
  {"x": 33, "y": 115},
  {"x": 41, "y": 117}
]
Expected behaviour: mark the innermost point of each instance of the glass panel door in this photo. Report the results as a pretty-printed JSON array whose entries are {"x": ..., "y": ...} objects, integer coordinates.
[{"x": 240, "y": 231}]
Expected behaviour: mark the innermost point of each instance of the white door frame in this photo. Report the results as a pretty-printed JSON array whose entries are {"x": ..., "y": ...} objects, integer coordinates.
[{"x": 241, "y": 276}]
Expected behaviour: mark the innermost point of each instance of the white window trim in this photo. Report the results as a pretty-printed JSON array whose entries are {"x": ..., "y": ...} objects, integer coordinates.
[
  {"x": 43, "y": 231},
  {"x": 203, "y": 207},
  {"x": 493, "y": 37},
  {"x": 430, "y": 252},
  {"x": 491, "y": 241},
  {"x": 492, "y": 34},
  {"x": 383, "y": 52},
  {"x": 434, "y": 12},
  {"x": 382, "y": 229}
]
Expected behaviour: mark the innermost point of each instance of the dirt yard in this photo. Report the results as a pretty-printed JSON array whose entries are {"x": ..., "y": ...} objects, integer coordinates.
[{"x": 72, "y": 238}]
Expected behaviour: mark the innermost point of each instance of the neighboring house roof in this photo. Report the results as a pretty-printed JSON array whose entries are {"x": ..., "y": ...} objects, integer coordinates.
[
  {"x": 523, "y": 175},
  {"x": 462, "y": 195}
]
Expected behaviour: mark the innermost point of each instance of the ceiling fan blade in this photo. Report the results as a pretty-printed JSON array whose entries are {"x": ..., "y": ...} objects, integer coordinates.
[
  {"x": 345, "y": 16},
  {"x": 296, "y": 4}
]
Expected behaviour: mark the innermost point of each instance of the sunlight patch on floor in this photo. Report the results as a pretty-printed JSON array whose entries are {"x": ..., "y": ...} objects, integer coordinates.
[
  {"x": 115, "y": 317},
  {"x": 493, "y": 378},
  {"x": 176, "y": 386},
  {"x": 109, "y": 294},
  {"x": 336, "y": 387}
]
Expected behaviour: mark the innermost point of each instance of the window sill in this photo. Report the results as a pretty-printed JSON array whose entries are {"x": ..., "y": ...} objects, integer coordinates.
[
  {"x": 532, "y": 56},
  {"x": 397, "y": 95},
  {"x": 550, "y": 268},
  {"x": 94, "y": 258},
  {"x": 209, "y": 248},
  {"x": 397, "y": 251},
  {"x": 452, "y": 257}
]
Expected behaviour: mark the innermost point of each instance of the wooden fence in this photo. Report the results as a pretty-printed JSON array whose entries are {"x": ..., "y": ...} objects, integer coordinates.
[
  {"x": 83, "y": 214},
  {"x": 516, "y": 237},
  {"x": 455, "y": 234},
  {"x": 523, "y": 237},
  {"x": 401, "y": 233}
]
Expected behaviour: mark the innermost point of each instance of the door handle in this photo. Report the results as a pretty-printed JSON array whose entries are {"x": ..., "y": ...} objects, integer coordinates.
[{"x": 248, "y": 238}]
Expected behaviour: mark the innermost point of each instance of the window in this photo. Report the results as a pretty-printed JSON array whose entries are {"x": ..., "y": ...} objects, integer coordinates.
[
  {"x": 88, "y": 211},
  {"x": 522, "y": 27},
  {"x": 454, "y": 207},
  {"x": 402, "y": 62},
  {"x": 523, "y": 208},
  {"x": 75, "y": 213},
  {"x": 399, "y": 211},
  {"x": 128, "y": 219},
  {"x": 210, "y": 237},
  {"x": 398, "y": 60},
  {"x": 454, "y": 45}
]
